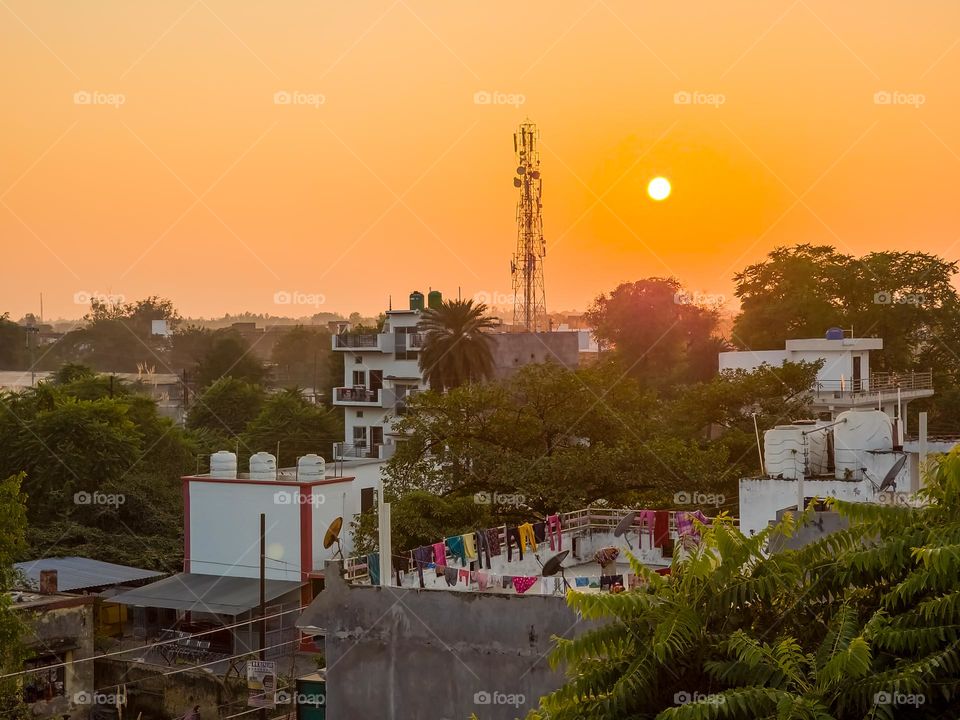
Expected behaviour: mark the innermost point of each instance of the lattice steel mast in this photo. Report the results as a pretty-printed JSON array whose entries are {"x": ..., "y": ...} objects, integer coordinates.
[{"x": 529, "y": 296}]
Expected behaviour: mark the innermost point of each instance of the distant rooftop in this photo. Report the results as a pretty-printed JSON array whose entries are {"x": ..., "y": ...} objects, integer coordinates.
[{"x": 79, "y": 573}]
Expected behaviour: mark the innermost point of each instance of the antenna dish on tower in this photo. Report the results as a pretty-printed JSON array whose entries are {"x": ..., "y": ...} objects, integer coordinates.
[{"x": 529, "y": 297}]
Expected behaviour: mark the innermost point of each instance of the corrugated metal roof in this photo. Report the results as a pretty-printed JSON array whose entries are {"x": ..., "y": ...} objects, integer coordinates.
[
  {"x": 219, "y": 594},
  {"x": 78, "y": 573}
]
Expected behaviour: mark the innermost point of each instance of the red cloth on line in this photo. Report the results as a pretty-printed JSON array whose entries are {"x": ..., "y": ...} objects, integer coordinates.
[{"x": 661, "y": 528}]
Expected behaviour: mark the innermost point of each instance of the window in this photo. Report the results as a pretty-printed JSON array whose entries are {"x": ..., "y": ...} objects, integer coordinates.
[
  {"x": 357, "y": 360},
  {"x": 359, "y": 413},
  {"x": 360, "y": 436},
  {"x": 359, "y": 378},
  {"x": 46, "y": 682}
]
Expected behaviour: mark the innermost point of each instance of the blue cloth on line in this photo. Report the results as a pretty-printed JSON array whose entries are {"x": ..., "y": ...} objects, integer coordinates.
[
  {"x": 373, "y": 568},
  {"x": 582, "y": 581}
]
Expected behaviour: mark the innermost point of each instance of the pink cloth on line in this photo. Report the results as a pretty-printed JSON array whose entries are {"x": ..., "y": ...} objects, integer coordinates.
[
  {"x": 647, "y": 517},
  {"x": 553, "y": 526},
  {"x": 522, "y": 584},
  {"x": 440, "y": 554}
]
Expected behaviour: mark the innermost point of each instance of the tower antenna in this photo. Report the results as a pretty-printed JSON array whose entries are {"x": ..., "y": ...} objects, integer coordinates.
[{"x": 529, "y": 296}]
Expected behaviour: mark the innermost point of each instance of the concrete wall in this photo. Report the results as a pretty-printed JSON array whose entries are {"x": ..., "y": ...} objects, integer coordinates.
[
  {"x": 394, "y": 653},
  {"x": 55, "y": 627},
  {"x": 511, "y": 351},
  {"x": 167, "y": 698}
]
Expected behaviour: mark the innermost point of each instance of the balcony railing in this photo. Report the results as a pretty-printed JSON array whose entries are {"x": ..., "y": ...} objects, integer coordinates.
[
  {"x": 886, "y": 382},
  {"x": 351, "y": 395},
  {"x": 356, "y": 340},
  {"x": 415, "y": 341}
]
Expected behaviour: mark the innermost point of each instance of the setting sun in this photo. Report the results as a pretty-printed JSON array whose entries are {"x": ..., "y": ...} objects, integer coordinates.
[{"x": 659, "y": 188}]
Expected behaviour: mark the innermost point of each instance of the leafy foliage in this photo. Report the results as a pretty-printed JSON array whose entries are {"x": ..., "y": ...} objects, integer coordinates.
[{"x": 455, "y": 348}]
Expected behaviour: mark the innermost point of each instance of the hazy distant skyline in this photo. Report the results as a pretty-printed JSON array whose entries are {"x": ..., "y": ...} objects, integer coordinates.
[{"x": 182, "y": 173}]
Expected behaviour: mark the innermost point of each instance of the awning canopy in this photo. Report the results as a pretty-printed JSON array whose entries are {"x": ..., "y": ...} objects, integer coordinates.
[{"x": 217, "y": 594}]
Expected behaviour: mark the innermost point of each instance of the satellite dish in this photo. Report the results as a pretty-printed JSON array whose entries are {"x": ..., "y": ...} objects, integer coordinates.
[
  {"x": 516, "y": 182},
  {"x": 623, "y": 527},
  {"x": 333, "y": 536},
  {"x": 890, "y": 479},
  {"x": 555, "y": 565},
  {"x": 521, "y": 170},
  {"x": 535, "y": 174}
]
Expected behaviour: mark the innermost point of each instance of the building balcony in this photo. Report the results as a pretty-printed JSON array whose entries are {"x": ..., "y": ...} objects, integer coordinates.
[
  {"x": 362, "y": 451},
  {"x": 415, "y": 341},
  {"x": 886, "y": 386},
  {"x": 372, "y": 342},
  {"x": 357, "y": 396}
]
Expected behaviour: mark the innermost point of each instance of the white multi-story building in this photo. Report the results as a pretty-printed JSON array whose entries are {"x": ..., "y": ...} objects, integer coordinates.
[{"x": 381, "y": 372}]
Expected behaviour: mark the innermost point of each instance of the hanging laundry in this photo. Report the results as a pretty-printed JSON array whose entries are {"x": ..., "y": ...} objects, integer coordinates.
[
  {"x": 464, "y": 576},
  {"x": 522, "y": 584},
  {"x": 581, "y": 581},
  {"x": 482, "y": 579},
  {"x": 684, "y": 523},
  {"x": 507, "y": 581},
  {"x": 440, "y": 554},
  {"x": 606, "y": 556},
  {"x": 553, "y": 528},
  {"x": 527, "y": 536},
  {"x": 661, "y": 528},
  {"x": 469, "y": 546},
  {"x": 450, "y": 575},
  {"x": 373, "y": 568},
  {"x": 422, "y": 556},
  {"x": 455, "y": 545},
  {"x": 648, "y": 518},
  {"x": 608, "y": 581},
  {"x": 483, "y": 547},
  {"x": 513, "y": 536},
  {"x": 493, "y": 539},
  {"x": 540, "y": 532},
  {"x": 493, "y": 580}
]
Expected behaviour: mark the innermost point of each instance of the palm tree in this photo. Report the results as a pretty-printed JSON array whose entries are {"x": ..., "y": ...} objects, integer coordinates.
[{"x": 455, "y": 348}]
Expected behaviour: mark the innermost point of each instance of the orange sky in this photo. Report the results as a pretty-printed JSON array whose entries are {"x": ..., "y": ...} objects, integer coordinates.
[{"x": 200, "y": 188}]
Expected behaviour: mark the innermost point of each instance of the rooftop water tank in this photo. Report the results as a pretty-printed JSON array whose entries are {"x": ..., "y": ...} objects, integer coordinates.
[
  {"x": 263, "y": 466},
  {"x": 311, "y": 468},
  {"x": 857, "y": 432},
  {"x": 434, "y": 299},
  {"x": 835, "y": 333},
  {"x": 783, "y": 451},
  {"x": 223, "y": 465},
  {"x": 416, "y": 300}
]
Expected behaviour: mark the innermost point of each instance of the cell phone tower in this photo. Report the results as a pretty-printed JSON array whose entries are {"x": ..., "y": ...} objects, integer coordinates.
[{"x": 529, "y": 296}]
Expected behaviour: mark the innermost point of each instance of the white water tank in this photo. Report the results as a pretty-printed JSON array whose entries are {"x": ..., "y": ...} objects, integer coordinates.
[
  {"x": 783, "y": 451},
  {"x": 856, "y": 432},
  {"x": 817, "y": 452},
  {"x": 310, "y": 468},
  {"x": 223, "y": 464},
  {"x": 263, "y": 466}
]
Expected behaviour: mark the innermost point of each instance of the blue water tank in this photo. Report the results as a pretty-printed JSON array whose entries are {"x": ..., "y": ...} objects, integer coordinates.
[{"x": 835, "y": 333}]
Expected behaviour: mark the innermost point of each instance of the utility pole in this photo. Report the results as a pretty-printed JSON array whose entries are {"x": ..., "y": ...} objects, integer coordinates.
[{"x": 263, "y": 596}]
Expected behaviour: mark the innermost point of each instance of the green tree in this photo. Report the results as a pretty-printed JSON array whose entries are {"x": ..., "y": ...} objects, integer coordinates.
[
  {"x": 229, "y": 356},
  {"x": 13, "y": 524},
  {"x": 297, "y": 426},
  {"x": 13, "y": 345},
  {"x": 226, "y": 407},
  {"x": 659, "y": 334},
  {"x": 303, "y": 357},
  {"x": 455, "y": 348}
]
